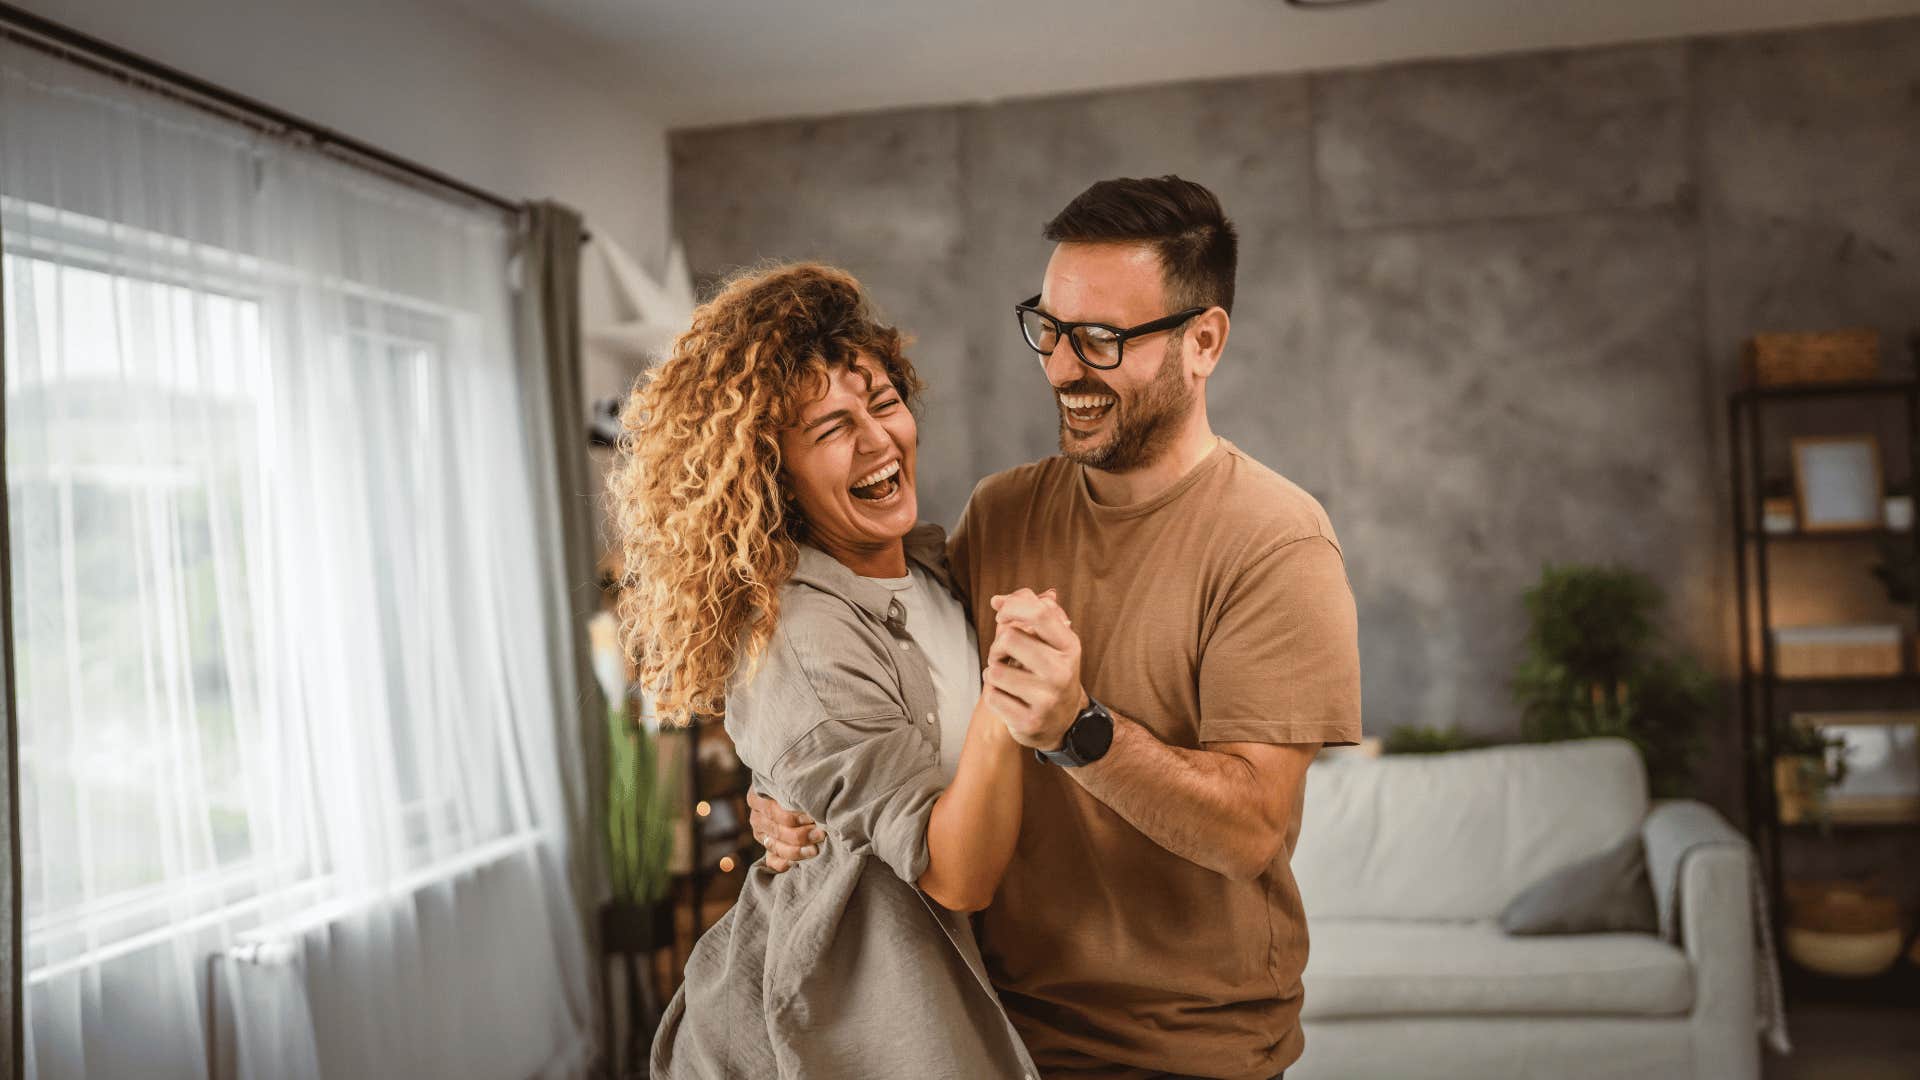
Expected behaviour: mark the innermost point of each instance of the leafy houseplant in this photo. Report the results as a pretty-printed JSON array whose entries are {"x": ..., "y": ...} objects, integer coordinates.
[
  {"x": 640, "y": 808},
  {"x": 1418, "y": 739},
  {"x": 1596, "y": 664},
  {"x": 1807, "y": 762}
]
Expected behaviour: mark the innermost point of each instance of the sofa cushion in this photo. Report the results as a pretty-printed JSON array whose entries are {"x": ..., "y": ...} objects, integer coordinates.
[
  {"x": 1608, "y": 893},
  {"x": 1457, "y": 836},
  {"x": 1386, "y": 968}
]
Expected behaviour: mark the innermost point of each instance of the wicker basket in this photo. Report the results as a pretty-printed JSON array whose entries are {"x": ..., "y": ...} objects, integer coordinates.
[{"x": 1827, "y": 356}]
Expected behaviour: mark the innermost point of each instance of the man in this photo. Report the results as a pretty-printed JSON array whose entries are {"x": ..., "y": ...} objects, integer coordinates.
[{"x": 1149, "y": 925}]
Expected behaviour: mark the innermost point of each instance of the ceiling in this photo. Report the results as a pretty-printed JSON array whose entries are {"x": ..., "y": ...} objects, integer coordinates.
[{"x": 701, "y": 62}]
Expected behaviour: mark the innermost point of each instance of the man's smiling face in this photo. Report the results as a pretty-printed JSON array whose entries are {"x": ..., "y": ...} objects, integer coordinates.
[{"x": 1120, "y": 419}]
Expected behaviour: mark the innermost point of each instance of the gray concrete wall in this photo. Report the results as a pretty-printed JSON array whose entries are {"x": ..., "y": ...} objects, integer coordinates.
[{"x": 1488, "y": 310}]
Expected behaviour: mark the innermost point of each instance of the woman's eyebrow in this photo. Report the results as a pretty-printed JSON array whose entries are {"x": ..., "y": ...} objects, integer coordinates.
[{"x": 837, "y": 414}]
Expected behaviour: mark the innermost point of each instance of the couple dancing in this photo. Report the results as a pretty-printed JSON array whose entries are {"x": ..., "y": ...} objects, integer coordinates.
[{"x": 1030, "y": 791}]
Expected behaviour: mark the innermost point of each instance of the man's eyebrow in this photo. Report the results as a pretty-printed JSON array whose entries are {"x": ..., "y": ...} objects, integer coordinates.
[{"x": 837, "y": 414}]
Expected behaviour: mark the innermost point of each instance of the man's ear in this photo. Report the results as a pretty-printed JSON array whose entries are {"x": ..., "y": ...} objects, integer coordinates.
[{"x": 1206, "y": 339}]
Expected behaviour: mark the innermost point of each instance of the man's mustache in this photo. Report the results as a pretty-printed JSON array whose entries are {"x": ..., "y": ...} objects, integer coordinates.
[{"x": 1086, "y": 386}]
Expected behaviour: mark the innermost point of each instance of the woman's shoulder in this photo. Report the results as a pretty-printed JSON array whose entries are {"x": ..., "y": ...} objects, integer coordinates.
[{"x": 823, "y": 662}]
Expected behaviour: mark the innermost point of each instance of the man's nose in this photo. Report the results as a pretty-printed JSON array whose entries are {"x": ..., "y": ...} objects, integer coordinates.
[{"x": 1063, "y": 367}]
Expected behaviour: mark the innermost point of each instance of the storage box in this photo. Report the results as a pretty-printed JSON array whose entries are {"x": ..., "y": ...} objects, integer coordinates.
[
  {"x": 1826, "y": 356},
  {"x": 1837, "y": 652},
  {"x": 1779, "y": 515}
]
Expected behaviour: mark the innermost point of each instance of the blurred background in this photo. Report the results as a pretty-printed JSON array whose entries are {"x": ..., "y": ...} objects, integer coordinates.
[{"x": 1592, "y": 326}]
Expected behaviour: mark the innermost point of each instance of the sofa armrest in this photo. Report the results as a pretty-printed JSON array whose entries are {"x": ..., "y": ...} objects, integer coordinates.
[
  {"x": 1674, "y": 828},
  {"x": 1703, "y": 880}
]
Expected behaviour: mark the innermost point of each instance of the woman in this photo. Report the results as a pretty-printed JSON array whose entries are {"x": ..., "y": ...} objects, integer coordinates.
[{"x": 775, "y": 568}]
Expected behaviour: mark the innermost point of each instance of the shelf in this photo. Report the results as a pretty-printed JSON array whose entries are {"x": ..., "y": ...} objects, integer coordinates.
[
  {"x": 1872, "y": 388},
  {"x": 1901, "y": 986},
  {"x": 1880, "y": 682},
  {"x": 1849, "y": 826},
  {"x": 1798, "y": 537}
]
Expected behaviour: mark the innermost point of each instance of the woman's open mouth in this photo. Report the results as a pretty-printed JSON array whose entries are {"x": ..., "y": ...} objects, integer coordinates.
[{"x": 880, "y": 485}]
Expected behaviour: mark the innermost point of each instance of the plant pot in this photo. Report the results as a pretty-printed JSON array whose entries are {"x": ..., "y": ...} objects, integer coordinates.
[
  {"x": 1799, "y": 787},
  {"x": 635, "y": 928}
]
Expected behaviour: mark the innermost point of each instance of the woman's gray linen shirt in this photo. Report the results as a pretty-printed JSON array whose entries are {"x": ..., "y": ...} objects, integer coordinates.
[{"x": 841, "y": 968}]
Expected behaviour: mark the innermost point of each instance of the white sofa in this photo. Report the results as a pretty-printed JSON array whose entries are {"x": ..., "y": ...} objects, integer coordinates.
[{"x": 1404, "y": 863}]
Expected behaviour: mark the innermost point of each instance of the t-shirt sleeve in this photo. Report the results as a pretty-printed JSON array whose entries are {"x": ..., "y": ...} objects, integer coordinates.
[{"x": 1280, "y": 662}]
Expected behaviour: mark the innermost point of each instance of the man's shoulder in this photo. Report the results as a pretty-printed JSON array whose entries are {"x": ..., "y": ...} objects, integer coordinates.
[
  {"x": 1254, "y": 502},
  {"x": 1020, "y": 484}
]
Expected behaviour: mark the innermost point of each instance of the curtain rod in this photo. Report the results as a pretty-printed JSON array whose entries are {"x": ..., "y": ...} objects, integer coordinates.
[{"x": 108, "y": 59}]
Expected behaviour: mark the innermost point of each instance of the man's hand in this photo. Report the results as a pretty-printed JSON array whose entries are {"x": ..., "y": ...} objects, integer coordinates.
[
  {"x": 1033, "y": 669},
  {"x": 789, "y": 837}
]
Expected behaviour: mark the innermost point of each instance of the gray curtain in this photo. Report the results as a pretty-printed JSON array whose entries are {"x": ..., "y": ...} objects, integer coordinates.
[
  {"x": 548, "y": 314},
  {"x": 13, "y": 1039}
]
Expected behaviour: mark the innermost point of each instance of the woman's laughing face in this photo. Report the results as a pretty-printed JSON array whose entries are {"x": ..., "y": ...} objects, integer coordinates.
[{"x": 849, "y": 462}]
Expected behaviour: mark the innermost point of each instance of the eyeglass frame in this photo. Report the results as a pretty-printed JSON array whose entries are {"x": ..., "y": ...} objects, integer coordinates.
[{"x": 1120, "y": 335}]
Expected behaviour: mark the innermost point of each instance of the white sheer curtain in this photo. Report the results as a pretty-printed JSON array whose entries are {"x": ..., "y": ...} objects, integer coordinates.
[{"x": 283, "y": 603}]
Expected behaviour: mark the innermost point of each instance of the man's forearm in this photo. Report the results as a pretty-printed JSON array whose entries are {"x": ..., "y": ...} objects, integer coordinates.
[{"x": 1206, "y": 807}]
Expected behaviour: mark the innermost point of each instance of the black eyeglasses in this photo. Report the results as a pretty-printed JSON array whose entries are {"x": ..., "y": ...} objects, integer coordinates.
[{"x": 1097, "y": 344}]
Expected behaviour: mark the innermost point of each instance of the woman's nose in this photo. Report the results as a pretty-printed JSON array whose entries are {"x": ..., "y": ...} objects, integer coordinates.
[{"x": 869, "y": 435}]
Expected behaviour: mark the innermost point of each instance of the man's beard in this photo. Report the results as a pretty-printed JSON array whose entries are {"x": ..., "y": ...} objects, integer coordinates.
[{"x": 1142, "y": 428}]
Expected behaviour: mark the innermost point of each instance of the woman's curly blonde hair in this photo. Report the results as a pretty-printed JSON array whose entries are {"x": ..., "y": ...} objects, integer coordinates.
[{"x": 707, "y": 536}]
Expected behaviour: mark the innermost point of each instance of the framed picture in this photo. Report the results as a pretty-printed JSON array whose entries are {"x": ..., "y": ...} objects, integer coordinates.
[
  {"x": 1836, "y": 482},
  {"x": 1881, "y": 782}
]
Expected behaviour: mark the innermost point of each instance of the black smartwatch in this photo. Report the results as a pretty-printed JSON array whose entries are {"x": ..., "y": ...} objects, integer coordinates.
[{"x": 1087, "y": 740}]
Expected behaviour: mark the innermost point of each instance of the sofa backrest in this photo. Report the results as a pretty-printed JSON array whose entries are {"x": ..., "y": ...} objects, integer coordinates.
[{"x": 1456, "y": 836}]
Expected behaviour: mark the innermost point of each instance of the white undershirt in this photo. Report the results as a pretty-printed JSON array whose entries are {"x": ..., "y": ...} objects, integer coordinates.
[{"x": 939, "y": 626}]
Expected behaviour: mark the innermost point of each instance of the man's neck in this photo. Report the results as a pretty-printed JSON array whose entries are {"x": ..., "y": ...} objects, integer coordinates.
[{"x": 1182, "y": 456}]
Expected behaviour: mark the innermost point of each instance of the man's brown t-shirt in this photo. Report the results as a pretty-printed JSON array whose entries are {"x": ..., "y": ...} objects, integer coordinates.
[{"x": 1217, "y": 611}]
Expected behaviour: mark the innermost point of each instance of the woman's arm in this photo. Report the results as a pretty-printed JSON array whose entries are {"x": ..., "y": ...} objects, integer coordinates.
[{"x": 976, "y": 820}]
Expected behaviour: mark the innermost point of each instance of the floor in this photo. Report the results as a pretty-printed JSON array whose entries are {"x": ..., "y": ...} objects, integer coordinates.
[{"x": 1850, "y": 1042}]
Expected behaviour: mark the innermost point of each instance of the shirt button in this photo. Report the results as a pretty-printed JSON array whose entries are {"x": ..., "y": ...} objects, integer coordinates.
[
  {"x": 907, "y": 646},
  {"x": 930, "y": 718}
]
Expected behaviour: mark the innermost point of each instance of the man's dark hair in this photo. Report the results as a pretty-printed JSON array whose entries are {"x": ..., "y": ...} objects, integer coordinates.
[{"x": 1182, "y": 221}]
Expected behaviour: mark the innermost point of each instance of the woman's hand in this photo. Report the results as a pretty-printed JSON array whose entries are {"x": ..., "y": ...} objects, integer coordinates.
[{"x": 1033, "y": 669}]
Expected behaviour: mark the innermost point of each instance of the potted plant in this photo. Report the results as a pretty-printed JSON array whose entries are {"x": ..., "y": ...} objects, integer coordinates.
[
  {"x": 1807, "y": 761},
  {"x": 638, "y": 832},
  {"x": 1597, "y": 664},
  {"x": 1421, "y": 739}
]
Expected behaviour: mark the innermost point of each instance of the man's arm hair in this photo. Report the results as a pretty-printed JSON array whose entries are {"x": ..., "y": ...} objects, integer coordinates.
[{"x": 1226, "y": 807}]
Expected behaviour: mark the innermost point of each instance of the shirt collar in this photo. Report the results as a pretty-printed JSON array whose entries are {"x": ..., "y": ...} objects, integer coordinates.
[{"x": 926, "y": 546}]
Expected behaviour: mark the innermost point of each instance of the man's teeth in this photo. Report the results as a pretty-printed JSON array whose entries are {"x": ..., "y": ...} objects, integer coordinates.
[
  {"x": 877, "y": 475},
  {"x": 1084, "y": 402}
]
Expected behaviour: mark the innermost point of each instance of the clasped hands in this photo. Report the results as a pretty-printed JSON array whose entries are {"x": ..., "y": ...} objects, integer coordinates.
[{"x": 1031, "y": 682}]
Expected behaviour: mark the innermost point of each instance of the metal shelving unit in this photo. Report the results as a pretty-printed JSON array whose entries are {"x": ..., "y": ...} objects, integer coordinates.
[
  {"x": 1765, "y": 696},
  {"x": 710, "y": 860}
]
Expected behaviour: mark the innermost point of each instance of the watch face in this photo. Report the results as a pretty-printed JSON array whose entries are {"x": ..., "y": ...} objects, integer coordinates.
[{"x": 1091, "y": 734}]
